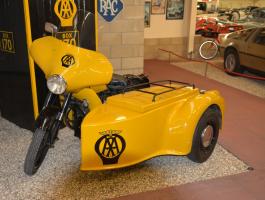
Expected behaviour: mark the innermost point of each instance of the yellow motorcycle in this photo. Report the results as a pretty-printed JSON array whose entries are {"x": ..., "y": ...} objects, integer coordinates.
[{"x": 121, "y": 120}]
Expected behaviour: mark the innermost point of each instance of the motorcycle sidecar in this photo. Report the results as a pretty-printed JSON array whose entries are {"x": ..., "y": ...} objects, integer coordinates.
[{"x": 171, "y": 119}]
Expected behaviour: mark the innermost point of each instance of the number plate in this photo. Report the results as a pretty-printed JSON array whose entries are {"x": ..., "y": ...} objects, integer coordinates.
[
  {"x": 7, "y": 42},
  {"x": 69, "y": 37}
]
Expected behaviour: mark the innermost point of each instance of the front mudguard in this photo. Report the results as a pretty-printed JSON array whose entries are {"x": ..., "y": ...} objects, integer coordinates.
[{"x": 115, "y": 137}]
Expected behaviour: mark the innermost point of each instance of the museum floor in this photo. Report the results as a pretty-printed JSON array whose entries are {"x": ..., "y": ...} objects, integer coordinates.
[
  {"x": 243, "y": 135},
  {"x": 227, "y": 175}
]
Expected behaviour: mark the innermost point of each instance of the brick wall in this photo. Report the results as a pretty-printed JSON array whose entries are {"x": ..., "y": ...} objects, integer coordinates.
[{"x": 122, "y": 40}]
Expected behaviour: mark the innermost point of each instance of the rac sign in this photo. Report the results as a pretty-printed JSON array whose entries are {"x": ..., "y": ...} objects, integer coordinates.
[{"x": 109, "y": 9}]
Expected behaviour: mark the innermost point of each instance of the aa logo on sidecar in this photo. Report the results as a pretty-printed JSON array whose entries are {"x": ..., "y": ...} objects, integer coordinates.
[
  {"x": 68, "y": 60},
  {"x": 65, "y": 10},
  {"x": 110, "y": 146}
]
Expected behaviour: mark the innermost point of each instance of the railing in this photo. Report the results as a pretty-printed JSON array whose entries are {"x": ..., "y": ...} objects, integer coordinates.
[{"x": 211, "y": 64}]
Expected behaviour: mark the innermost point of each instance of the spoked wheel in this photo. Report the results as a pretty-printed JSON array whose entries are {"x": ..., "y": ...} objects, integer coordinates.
[
  {"x": 208, "y": 50},
  {"x": 41, "y": 141},
  {"x": 205, "y": 136}
]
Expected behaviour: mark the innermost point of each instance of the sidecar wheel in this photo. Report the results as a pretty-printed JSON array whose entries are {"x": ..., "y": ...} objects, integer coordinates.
[
  {"x": 37, "y": 151},
  {"x": 205, "y": 136}
]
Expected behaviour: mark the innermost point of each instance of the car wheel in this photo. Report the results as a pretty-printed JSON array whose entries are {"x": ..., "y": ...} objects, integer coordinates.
[
  {"x": 205, "y": 136},
  {"x": 231, "y": 62}
]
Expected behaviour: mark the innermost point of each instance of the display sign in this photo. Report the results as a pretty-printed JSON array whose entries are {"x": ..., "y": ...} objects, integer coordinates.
[
  {"x": 65, "y": 11},
  {"x": 69, "y": 37},
  {"x": 175, "y": 9},
  {"x": 7, "y": 42},
  {"x": 72, "y": 21},
  {"x": 109, "y": 9},
  {"x": 15, "y": 96}
]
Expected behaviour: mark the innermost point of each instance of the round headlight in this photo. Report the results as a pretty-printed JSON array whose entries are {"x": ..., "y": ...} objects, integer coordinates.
[{"x": 56, "y": 84}]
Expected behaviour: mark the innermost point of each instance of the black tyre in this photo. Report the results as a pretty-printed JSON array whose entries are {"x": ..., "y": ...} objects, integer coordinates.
[
  {"x": 37, "y": 151},
  {"x": 44, "y": 136},
  {"x": 205, "y": 136},
  {"x": 232, "y": 62}
]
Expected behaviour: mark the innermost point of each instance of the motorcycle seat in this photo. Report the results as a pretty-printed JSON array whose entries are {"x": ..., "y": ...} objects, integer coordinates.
[{"x": 118, "y": 82}]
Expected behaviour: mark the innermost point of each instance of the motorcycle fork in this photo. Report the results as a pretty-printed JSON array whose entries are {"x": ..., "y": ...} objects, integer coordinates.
[
  {"x": 48, "y": 101},
  {"x": 65, "y": 105},
  {"x": 59, "y": 116}
]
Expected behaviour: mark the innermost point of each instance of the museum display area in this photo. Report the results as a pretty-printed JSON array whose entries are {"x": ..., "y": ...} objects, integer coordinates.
[{"x": 132, "y": 99}]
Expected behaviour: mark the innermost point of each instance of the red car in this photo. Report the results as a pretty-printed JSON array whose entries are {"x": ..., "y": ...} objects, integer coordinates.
[{"x": 214, "y": 25}]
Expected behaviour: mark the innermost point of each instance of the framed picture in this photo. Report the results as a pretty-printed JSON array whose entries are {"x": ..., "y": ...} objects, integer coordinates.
[
  {"x": 147, "y": 10},
  {"x": 158, "y": 7},
  {"x": 175, "y": 9}
]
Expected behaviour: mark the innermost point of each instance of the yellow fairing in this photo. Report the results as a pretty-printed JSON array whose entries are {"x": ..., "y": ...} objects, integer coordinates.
[
  {"x": 80, "y": 67},
  {"x": 131, "y": 128}
]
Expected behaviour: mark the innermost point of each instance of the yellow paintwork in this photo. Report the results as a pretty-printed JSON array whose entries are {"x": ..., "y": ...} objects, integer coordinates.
[
  {"x": 88, "y": 75},
  {"x": 29, "y": 42},
  {"x": 132, "y": 124},
  {"x": 150, "y": 129},
  {"x": 91, "y": 68},
  {"x": 31, "y": 62},
  {"x": 65, "y": 11},
  {"x": 90, "y": 96}
]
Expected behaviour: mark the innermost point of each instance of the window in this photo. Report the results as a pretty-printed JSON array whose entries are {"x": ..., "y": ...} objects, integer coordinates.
[
  {"x": 260, "y": 39},
  {"x": 242, "y": 34}
]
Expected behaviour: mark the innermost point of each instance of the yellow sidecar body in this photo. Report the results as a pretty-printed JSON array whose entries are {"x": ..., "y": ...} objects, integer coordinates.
[
  {"x": 135, "y": 126},
  {"x": 132, "y": 126}
]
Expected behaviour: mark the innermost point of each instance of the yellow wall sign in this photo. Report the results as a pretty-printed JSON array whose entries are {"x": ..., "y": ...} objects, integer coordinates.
[
  {"x": 65, "y": 10},
  {"x": 7, "y": 42}
]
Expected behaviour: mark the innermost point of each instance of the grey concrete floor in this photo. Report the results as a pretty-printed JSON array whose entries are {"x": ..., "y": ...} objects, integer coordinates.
[{"x": 60, "y": 178}]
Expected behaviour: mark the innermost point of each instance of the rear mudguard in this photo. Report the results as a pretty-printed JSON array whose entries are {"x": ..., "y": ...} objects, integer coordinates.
[{"x": 116, "y": 135}]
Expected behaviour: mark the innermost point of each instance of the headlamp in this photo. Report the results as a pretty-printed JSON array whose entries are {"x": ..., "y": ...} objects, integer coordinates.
[{"x": 56, "y": 84}]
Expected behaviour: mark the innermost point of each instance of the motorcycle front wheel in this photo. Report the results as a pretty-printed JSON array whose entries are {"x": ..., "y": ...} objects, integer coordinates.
[{"x": 41, "y": 141}]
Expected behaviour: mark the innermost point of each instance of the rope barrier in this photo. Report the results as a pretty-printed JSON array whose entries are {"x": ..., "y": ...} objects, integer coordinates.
[{"x": 212, "y": 64}]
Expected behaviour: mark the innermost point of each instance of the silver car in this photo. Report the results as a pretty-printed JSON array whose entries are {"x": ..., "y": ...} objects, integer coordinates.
[{"x": 245, "y": 48}]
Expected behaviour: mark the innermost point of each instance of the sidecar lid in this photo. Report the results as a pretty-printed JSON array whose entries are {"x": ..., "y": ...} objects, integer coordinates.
[{"x": 143, "y": 102}]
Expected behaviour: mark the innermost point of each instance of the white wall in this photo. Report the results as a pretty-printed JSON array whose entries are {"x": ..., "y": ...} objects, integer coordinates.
[
  {"x": 240, "y": 3},
  {"x": 162, "y": 28},
  {"x": 260, "y": 3}
]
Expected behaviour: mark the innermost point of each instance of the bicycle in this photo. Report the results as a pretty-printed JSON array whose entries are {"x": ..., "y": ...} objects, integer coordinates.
[{"x": 209, "y": 49}]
